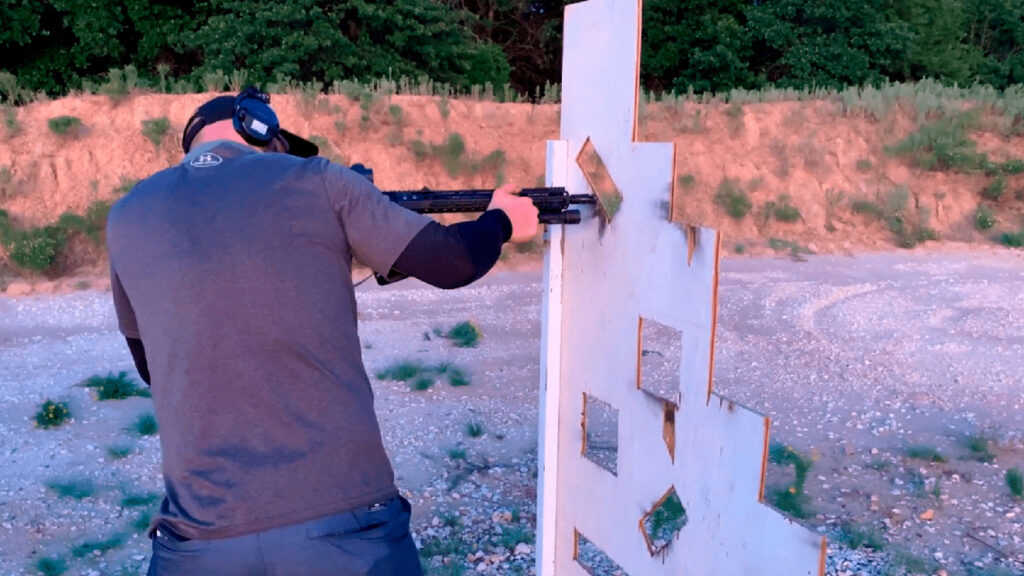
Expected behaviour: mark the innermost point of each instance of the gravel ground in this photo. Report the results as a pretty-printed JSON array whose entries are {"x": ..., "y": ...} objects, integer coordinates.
[{"x": 857, "y": 360}]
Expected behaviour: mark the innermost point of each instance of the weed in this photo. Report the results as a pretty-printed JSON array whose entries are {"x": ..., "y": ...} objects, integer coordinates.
[
  {"x": 395, "y": 112},
  {"x": 457, "y": 453},
  {"x": 93, "y": 224},
  {"x": 450, "y": 153},
  {"x": 980, "y": 448},
  {"x": 97, "y": 547},
  {"x": 474, "y": 429},
  {"x": 442, "y": 547},
  {"x": 51, "y": 566},
  {"x": 864, "y": 165},
  {"x": 12, "y": 91},
  {"x": 926, "y": 453},
  {"x": 401, "y": 372},
  {"x": 514, "y": 535},
  {"x": 111, "y": 387},
  {"x": 944, "y": 144},
  {"x": 422, "y": 383},
  {"x": 493, "y": 161},
  {"x": 146, "y": 425},
  {"x": 215, "y": 81},
  {"x": 419, "y": 149},
  {"x": 735, "y": 110},
  {"x": 911, "y": 563},
  {"x": 137, "y": 500},
  {"x": 687, "y": 181},
  {"x": 733, "y": 199},
  {"x": 340, "y": 127},
  {"x": 120, "y": 83},
  {"x": 867, "y": 208},
  {"x": 994, "y": 189},
  {"x": 11, "y": 121},
  {"x": 855, "y": 537},
  {"x": 796, "y": 251},
  {"x": 443, "y": 107},
  {"x": 1012, "y": 166},
  {"x": 422, "y": 377},
  {"x": 1012, "y": 239},
  {"x": 739, "y": 248},
  {"x": 69, "y": 126},
  {"x": 465, "y": 334},
  {"x": 155, "y": 129},
  {"x": 76, "y": 489},
  {"x": 52, "y": 414},
  {"x": 119, "y": 451},
  {"x": 833, "y": 198},
  {"x": 456, "y": 377},
  {"x": 784, "y": 211},
  {"x": 142, "y": 521},
  {"x": 791, "y": 500},
  {"x": 125, "y": 186},
  {"x": 34, "y": 249},
  {"x": 1015, "y": 482},
  {"x": 984, "y": 219}
]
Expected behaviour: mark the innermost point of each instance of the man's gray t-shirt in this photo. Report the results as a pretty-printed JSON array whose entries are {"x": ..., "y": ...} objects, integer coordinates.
[{"x": 234, "y": 268}]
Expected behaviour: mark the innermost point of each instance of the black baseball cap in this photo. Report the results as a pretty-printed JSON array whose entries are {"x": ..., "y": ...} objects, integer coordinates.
[{"x": 223, "y": 108}]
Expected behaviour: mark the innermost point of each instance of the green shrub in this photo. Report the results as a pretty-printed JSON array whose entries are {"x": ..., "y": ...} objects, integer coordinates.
[
  {"x": 474, "y": 429},
  {"x": 115, "y": 387},
  {"x": 93, "y": 224},
  {"x": 146, "y": 425},
  {"x": 402, "y": 371},
  {"x": 1012, "y": 239},
  {"x": 1015, "y": 482},
  {"x": 687, "y": 181},
  {"x": 926, "y": 453},
  {"x": 443, "y": 107},
  {"x": 994, "y": 189},
  {"x": 65, "y": 125},
  {"x": 76, "y": 489},
  {"x": 856, "y": 537},
  {"x": 864, "y": 165},
  {"x": 980, "y": 448},
  {"x": 791, "y": 499},
  {"x": 944, "y": 144},
  {"x": 119, "y": 451},
  {"x": 97, "y": 547},
  {"x": 784, "y": 211},
  {"x": 138, "y": 500},
  {"x": 155, "y": 129},
  {"x": 125, "y": 186},
  {"x": 396, "y": 113},
  {"x": 493, "y": 161},
  {"x": 1012, "y": 166},
  {"x": 464, "y": 334},
  {"x": 984, "y": 218},
  {"x": 867, "y": 208},
  {"x": 52, "y": 414},
  {"x": 11, "y": 121},
  {"x": 419, "y": 150},
  {"x": 733, "y": 199},
  {"x": 34, "y": 249},
  {"x": 51, "y": 566},
  {"x": 451, "y": 152},
  {"x": 120, "y": 83}
]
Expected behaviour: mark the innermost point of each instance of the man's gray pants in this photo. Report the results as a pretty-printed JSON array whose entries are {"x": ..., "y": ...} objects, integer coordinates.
[{"x": 369, "y": 541}]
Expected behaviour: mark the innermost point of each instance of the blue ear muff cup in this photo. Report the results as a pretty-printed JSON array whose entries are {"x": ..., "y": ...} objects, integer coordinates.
[{"x": 254, "y": 120}]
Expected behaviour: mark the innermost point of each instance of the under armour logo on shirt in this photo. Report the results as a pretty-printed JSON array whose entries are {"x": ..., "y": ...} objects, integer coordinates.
[{"x": 206, "y": 160}]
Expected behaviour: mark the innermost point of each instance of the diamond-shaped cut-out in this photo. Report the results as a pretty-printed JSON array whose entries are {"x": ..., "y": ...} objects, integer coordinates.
[
  {"x": 600, "y": 433},
  {"x": 661, "y": 525},
  {"x": 594, "y": 560},
  {"x": 609, "y": 198}
]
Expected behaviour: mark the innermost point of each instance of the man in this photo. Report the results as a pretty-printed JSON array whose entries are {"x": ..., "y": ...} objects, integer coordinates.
[{"x": 231, "y": 276}]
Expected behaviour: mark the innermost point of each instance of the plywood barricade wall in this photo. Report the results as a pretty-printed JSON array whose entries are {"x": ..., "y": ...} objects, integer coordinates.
[{"x": 631, "y": 429}]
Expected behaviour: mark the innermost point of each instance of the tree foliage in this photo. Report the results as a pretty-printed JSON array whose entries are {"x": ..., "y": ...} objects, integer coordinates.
[{"x": 701, "y": 45}]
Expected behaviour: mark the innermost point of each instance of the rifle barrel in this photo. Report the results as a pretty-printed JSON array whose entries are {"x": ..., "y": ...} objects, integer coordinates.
[{"x": 547, "y": 200}]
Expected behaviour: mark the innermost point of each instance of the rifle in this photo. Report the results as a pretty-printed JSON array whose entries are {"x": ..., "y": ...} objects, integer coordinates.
[{"x": 553, "y": 204}]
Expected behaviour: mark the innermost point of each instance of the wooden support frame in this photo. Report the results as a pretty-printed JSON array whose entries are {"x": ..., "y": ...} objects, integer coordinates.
[{"x": 602, "y": 277}]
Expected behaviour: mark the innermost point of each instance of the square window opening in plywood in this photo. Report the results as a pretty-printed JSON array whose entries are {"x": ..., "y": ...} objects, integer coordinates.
[
  {"x": 592, "y": 559},
  {"x": 662, "y": 524},
  {"x": 600, "y": 433},
  {"x": 660, "y": 351}
]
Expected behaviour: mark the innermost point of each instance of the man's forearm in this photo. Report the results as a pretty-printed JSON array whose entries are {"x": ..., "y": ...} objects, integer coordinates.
[{"x": 455, "y": 255}]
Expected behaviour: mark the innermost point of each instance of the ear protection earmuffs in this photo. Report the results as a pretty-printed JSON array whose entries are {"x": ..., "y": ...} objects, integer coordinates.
[{"x": 253, "y": 118}]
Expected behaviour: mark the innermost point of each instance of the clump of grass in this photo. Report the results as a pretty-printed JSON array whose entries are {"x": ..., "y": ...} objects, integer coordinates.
[
  {"x": 784, "y": 211},
  {"x": 120, "y": 83},
  {"x": 792, "y": 499},
  {"x": 422, "y": 377},
  {"x": 125, "y": 186},
  {"x": 911, "y": 563},
  {"x": 115, "y": 387},
  {"x": 984, "y": 219},
  {"x": 97, "y": 547},
  {"x": 155, "y": 129},
  {"x": 52, "y": 414},
  {"x": 76, "y": 489},
  {"x": 93, "y": 224},
  {"x": 465, "y": 334},
  {"x": 456, "y": 376},
  {"x": 909, "y": 227},
  {"x": 687, "y": 181},
  {"x": 69, "y": 126},
  {"x": 34, "y": 249},
  {"x": 146, "y": 425},
  {"x": 944, "y": 144},
  {"x": 443, "y": 107},
  {"x": 51, "y": 566},
  {"x": 11, "y": 121},
  {"x": 138, "y": 500},
  {"x": 450, "y": 152},
  {"x": 474, "y": 429},
  {"x": 119, "y": 451},
  {"x": 980, "y": 448},
  {"x": 856, "y": 536},
  {"x": 733, "y": 199},
  {"x": 1012, "y": 239},
  {"x": 402, "y": 371},
  {"x": 926, "y": 453},
  {"x": 457, "y": 453},
  {"x": 994, "y": 189},
  {"x": 514, "y": 535},
  {"x": 795, "y": 250},
  {"x": 1015, "y": 482},
  {"x": 864, "y": 165}
]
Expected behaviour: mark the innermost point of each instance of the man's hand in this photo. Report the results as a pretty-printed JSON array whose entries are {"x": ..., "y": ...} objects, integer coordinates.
[{"x": 519, "y": 210}]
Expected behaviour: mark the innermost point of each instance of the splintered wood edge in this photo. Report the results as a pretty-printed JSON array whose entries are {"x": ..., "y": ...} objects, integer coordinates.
[
  {"x": 636, "y": 74},
  {"x": 764, "y": 458},
  {"x": 714, "y": 315}
]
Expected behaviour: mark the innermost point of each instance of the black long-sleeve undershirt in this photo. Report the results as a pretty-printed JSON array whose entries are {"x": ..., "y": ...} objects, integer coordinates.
[{"x": 442, "y": 256}]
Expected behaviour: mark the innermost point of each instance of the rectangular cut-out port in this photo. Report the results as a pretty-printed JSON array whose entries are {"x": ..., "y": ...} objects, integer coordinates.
[
  {"x": 660, "y": 352},
  {"x": 594, "y": 560},
  {"x": 600, "y": 433}
]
